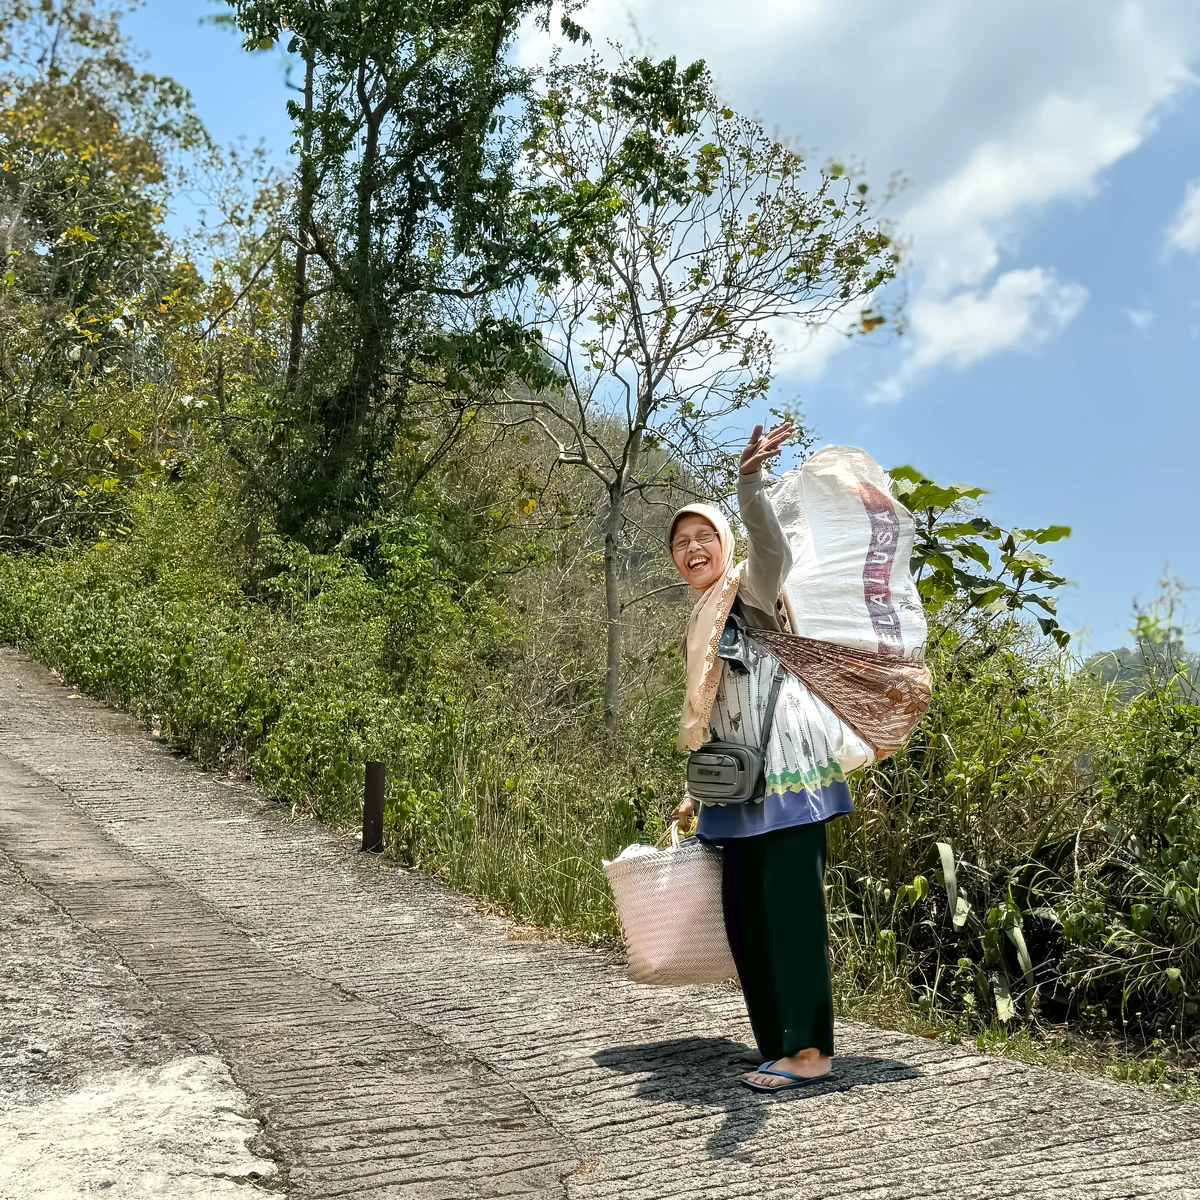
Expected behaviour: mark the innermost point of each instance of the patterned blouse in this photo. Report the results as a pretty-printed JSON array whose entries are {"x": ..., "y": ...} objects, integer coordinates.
[{"x": 808, "y": 757}]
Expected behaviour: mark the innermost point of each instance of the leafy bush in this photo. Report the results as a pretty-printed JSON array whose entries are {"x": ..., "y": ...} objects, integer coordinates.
[
  {"x": 298, "y": 667},
  {"x": 1031, "y": 854},
  {"x": 1033, "y": 851}
]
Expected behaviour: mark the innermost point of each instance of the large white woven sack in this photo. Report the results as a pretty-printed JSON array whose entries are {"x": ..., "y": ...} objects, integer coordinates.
[
  {"x": 669, "y": 902},
  {"x": 850, "y": 582}
]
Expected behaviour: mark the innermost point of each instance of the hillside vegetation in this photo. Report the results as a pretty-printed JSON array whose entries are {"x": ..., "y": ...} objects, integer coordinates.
[{"x": 378, "y": 463}]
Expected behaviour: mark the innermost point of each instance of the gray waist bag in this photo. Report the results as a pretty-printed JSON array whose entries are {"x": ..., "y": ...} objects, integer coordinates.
[{"x": 730, "y": 772}]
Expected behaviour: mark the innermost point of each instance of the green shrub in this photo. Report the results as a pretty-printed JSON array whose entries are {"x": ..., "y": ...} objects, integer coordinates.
[
  {"x": 1031, "y": 854},
  {"x": 1033, "y": 851},
  {"x": 327, "y": 666}
]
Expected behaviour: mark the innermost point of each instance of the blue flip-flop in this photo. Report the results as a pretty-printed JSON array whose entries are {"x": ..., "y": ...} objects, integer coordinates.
[{"x": 794, "y": 1081}]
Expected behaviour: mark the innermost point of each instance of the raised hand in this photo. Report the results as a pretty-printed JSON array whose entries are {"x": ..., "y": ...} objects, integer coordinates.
[{"x": 762, "y": 447}]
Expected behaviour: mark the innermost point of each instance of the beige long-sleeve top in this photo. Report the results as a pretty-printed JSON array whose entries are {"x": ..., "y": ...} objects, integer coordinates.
[{"x": 769, "y": 558}]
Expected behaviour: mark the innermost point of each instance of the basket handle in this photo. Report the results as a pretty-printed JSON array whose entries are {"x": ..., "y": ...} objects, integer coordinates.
[{"x": 672, "y": 833}]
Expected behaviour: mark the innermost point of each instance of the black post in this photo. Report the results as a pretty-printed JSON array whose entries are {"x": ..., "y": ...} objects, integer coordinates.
[{"x": 373, "y": 809}]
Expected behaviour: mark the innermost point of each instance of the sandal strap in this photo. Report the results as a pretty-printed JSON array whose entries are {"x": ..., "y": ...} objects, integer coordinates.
[{"x": 787, "y": 1075}]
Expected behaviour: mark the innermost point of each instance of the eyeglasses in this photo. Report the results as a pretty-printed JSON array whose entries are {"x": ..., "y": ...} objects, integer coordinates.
[{"x": 704, "y": 537}]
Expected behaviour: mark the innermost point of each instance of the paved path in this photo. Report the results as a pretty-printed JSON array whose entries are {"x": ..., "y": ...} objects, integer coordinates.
[{"x": 324, "y": 1024}]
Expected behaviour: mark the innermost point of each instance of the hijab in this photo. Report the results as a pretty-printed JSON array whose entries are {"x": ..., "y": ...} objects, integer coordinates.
[{"x": 704, "y": 631}]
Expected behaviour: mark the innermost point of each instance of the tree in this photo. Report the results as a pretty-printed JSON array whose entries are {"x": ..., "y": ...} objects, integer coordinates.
[
  {"x": 682, "y": 233},
  {"x": 85, "y": 139},
  {"x": 401, "y": 225},
  {"x": 956, "y": 569}
]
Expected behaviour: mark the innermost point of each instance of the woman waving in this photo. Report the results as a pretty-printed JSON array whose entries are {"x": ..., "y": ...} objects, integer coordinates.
[{"x": 773, "y": 840}]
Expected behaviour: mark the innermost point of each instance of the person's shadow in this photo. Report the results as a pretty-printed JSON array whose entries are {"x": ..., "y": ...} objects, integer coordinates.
[{"x": 701, "y": 1072}]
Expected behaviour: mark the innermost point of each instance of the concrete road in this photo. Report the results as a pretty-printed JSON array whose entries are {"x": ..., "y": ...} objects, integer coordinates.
[{"x": 200, "y": 996}]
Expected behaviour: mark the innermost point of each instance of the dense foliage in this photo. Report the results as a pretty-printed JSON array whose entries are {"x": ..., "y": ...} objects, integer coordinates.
[
  {"x": 297, "y": 491},
  {"x": 297, "y": 667}
]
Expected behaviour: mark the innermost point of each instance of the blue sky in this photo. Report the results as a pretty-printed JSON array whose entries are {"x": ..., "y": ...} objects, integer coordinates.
[{"x": 1055, "y": 325}]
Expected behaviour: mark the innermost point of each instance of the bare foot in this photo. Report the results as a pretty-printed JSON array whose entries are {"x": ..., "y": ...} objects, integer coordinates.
[{"x": 808, "y": 1064}]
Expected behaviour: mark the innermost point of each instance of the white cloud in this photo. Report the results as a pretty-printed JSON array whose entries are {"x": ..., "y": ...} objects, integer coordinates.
[
  {"x": 1140, "y": 318},
  {"x": 994, "y": 111},
  {"x": 804, "y": 351},
  {"x": 1183, "y": 233},
  {"x": 1022, "y": 310}
]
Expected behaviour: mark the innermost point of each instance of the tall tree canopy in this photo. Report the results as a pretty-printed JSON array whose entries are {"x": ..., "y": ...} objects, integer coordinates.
[
  {"x": 402, "y": 223},
  {"x": 85, "y": 143}
]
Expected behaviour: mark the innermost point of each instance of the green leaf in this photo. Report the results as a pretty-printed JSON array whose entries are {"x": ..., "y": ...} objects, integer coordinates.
[
  {"x": 1046, "y": 603},
  {"x": 1016, "y": 935},
  {"x": 975, "y": 551},
  {"x": 960, "y": 529},
  {"x": 928, "y": 495},
  {"x": 1026, "y": 558},
  {"x": 985, "y": 595},
  {"x": 909, "y": 474},
  {"x": 937, "y": 557},
  {"x": 959, "y": 908},
  {"x": 574, "y": 31},
  {"x": 913, "y": 893},
  {"x": 1052, "y": 533},
  {"x": 885, "y": 944},
  {"x": 967, "y": 492},
  {"x": 1005, "y": 1009}
]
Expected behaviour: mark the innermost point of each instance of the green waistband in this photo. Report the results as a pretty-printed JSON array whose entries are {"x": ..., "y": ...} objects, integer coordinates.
[{"x": 817, "y": 776}]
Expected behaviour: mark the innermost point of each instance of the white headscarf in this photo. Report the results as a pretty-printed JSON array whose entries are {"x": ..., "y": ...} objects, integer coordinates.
[{"x": 704, "y": 631}]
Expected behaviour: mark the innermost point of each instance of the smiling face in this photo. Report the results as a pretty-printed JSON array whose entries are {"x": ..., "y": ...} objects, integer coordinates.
[{"x": 696, "y": 551}]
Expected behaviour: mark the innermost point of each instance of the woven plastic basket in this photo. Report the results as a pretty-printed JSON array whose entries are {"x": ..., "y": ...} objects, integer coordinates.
[
  {"x": 669, "y": 902},
  {"x": 879, "y": 696}
]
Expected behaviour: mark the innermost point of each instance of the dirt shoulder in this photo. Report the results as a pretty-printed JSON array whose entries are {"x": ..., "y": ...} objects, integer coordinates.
[{"x": 103, "y": 1089}]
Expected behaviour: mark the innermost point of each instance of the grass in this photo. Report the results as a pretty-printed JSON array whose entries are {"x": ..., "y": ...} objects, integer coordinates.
[{"x": 1058, "y": 1047}]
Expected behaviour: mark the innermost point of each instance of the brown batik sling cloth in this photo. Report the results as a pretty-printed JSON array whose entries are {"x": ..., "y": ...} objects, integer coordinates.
[{"x": 879, "y": 696}]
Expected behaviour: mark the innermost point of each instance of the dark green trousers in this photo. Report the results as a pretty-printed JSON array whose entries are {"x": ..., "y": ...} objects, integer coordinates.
[{"x": 773, "y": 890}]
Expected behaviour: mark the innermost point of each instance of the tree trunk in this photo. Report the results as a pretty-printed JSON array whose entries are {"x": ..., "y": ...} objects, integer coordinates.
[
  {"x": 308, "y": 185},
  {"x": 367, "y": 361},
  {"x": 612, "y": 556},
  {"x": 346, "y": 464},
  {"x": 612, "y": 604}
]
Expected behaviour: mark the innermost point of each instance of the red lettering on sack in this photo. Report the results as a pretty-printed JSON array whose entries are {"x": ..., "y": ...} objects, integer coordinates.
[{"x": 877, "y": 570}]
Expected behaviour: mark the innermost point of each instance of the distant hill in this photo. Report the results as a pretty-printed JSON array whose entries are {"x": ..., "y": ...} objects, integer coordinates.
[{"x": 1132, "y": 668}]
